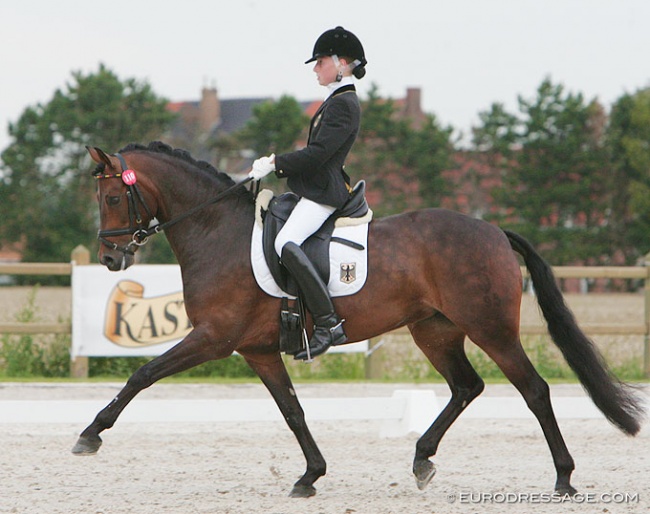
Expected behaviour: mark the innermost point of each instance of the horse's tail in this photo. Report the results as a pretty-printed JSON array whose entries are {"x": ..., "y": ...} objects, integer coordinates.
[{"x": 614, "y": 398}]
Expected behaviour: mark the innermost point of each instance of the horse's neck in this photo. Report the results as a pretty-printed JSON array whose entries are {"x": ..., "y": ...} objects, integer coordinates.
[{"x": 219, "y": 233}]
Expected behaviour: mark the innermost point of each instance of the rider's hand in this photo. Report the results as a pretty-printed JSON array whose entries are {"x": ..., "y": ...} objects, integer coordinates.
[{"x": 262, "y": 167}]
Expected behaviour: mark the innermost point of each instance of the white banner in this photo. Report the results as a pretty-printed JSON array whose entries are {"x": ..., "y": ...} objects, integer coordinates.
[{"x": 136, "y": 312}]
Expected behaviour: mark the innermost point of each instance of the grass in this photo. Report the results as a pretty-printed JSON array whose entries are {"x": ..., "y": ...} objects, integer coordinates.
[
  {"x": 25, "y": 355},
  {"x": 46, "y": 357}
]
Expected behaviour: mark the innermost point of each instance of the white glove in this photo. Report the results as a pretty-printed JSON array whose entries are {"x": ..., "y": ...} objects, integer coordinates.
[{"x": 262, "y": 167}]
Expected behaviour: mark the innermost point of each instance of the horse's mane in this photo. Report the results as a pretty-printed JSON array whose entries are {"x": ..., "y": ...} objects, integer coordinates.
[{"x": 177, "y": 153}]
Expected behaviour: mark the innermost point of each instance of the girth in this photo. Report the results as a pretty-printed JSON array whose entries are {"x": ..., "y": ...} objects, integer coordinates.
[{"x": 316, "y": 247}]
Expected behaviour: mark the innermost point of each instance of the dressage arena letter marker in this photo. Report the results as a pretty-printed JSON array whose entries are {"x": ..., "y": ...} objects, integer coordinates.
[{"x": 134, "y": 321}]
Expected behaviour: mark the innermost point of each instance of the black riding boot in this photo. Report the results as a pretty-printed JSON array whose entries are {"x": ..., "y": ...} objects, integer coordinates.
[{"x": 328, "y": 327}]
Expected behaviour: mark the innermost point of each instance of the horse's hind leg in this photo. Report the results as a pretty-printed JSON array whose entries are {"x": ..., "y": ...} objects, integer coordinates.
[
  {"x": 442, "y": 343},
  {"x": 272, "y": 371},
  {"x": 192, "y": 351},
  {"x": 516, "y": 366}
]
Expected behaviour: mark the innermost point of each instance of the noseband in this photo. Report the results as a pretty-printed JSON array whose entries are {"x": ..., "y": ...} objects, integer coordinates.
[{"x": 138, "y": 232}]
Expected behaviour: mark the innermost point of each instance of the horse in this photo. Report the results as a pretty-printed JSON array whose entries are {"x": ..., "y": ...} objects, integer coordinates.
[{"x": 444, "y": 275}]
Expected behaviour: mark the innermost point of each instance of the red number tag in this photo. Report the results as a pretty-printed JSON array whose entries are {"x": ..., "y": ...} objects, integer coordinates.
[{"x": 128, "y": 177}]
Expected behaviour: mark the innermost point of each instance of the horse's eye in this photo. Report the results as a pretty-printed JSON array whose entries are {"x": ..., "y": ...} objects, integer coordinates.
[{"x": 113, "y": 200}]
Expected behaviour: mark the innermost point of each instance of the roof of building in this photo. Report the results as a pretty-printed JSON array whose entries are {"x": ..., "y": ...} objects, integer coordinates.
[{"x": 236, "y": 112}]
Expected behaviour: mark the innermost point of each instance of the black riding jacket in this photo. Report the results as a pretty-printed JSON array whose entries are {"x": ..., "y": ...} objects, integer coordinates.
[{"x": 316, "y": 171}]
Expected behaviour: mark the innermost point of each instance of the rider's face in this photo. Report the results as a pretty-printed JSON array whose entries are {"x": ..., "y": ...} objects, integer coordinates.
[{"x": 325, "y": 70}]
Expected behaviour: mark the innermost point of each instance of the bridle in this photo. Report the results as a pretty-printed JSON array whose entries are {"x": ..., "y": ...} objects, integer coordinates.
[{"x": 137, "y": 230}]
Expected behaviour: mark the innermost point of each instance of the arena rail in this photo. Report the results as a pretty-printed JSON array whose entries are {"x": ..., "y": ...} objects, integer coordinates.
[{"x": 81, "y": 256}]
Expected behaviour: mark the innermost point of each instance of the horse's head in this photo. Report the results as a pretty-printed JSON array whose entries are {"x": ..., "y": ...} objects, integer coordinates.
[{"x": 124, "y": 210}]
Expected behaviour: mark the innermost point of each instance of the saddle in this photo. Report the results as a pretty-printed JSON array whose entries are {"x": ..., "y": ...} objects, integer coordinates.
[{"x": 316, "y": 247}]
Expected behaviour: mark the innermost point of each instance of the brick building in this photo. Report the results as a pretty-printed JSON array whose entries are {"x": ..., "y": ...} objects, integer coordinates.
[{"x": 202, "y": 122}]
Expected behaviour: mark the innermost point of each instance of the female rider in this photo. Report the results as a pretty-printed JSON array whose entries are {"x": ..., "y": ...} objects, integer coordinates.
[{"x": 315, "y": 173}]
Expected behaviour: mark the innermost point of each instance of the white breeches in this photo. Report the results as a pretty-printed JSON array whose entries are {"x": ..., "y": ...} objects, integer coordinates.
[{"x": 307, "y": 217}]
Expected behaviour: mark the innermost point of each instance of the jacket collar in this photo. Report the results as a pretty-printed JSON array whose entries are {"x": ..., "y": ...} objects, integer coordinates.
[
  {"x": 335, "y": 86},
  {"x": 343, "y": 89}
]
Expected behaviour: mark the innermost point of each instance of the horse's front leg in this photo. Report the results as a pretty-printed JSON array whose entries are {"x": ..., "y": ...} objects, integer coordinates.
[
  {"x": 272, "y": 371},
  {"x": 195, "y": 349}
]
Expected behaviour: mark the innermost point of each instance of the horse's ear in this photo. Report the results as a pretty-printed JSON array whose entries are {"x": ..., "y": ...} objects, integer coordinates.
[{"x": 98, "y": 155}]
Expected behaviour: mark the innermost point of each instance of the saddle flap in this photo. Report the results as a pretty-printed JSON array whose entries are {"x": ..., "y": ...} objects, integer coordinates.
[
  {"x": 274, "y": 218},
  {"x": 316, "y": 247}
]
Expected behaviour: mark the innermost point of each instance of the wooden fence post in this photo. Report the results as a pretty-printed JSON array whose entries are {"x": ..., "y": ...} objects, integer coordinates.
[
  {"x": 80, "y": 256},
  {"x": 372, "y": 361}
]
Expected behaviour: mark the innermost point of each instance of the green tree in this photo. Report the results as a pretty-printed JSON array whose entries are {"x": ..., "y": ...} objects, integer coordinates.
[
  {"x": 46, "y": 189},
  {"x": 628, "y": 138},
  {"x": 498, "y": 131},
  {"x": 553, "y": 161},
  {"x": 274, "y": 127},
  {"x": 400, "y": 159}
]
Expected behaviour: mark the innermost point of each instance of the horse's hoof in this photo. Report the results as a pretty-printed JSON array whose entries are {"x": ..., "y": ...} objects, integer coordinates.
[
  {"x": 564, "y": 490},
  {"x": 87, "y": 446},
  {"x": 423, "y": 471},
  {"x": 302, "y": 491}
]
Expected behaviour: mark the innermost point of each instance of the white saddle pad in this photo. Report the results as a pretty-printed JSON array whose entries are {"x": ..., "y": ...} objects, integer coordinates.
[{"x": 348, "y": 266}]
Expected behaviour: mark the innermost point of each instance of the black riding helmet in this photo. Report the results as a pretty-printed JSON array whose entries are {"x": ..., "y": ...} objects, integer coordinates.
[{"x": 341, "y": 42}]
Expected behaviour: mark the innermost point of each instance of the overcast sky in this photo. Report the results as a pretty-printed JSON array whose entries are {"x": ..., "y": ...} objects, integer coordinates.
[{"x": 464, "y": 54}]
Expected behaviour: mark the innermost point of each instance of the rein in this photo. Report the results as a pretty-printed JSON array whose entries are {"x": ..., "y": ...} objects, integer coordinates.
[{"x": 139, "y": 233}]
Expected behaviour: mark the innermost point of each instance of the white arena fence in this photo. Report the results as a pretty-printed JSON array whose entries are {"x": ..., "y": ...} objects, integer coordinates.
[{"x": 405, "y": 412}]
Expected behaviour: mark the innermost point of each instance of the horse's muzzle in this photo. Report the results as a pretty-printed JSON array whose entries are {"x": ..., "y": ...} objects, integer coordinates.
[{"x": 117, "y": 261}]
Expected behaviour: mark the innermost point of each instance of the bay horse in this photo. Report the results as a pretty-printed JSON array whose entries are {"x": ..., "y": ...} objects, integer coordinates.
[{"x": 444, "y": 275}]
